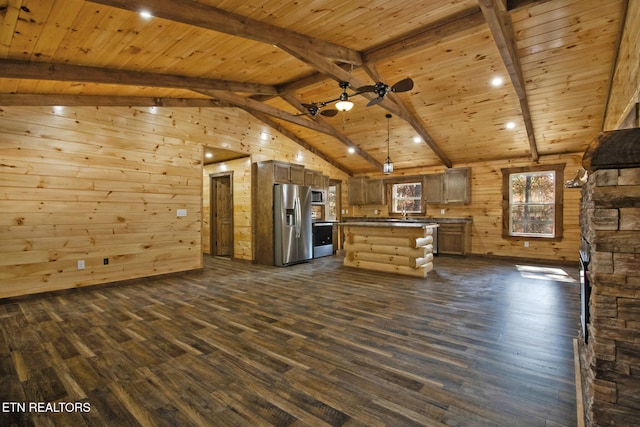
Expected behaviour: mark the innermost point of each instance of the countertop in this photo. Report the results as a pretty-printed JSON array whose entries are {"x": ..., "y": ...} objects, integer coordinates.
[
  {"x": 390, "y": 224},
  {"x": 422, "y": 220}
]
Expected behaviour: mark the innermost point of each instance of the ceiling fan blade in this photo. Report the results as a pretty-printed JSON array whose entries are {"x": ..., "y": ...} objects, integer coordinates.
[
  {"x": 329, "y": 113},
  {"x": 309, "y": 106},
  {"x": 368, "y": 88},
  {"x": 375, "y": 101},
  {"x": 403, "y": 85}
]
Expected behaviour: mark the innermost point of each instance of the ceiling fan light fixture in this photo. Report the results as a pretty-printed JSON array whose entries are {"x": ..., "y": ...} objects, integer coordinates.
[{"x": 344, "y": 105}]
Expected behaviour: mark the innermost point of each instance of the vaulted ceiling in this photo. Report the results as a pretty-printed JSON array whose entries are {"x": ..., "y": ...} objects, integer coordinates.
[{"x": 269, "y": 57}]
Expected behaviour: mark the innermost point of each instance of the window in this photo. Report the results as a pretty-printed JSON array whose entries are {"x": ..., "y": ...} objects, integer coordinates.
[
  {"x": 533, "y": 201},
  {"x": 406, "y": 197}
]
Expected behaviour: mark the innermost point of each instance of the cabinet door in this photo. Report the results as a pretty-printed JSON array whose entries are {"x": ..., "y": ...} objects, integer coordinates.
[
  {"x": 317, "y": 180},
  {"x": 454, "y": 238},
  {"x": 296, "y": 174},
  {"x": 434, "y": 188},
  {"x": 457, "y": 185},
  {"x": 357, "y": 191},
  {"x": 281, "y": 173},
  {"x": 374, "y": 192},
  {"x": 308, "y": 177},
  {"x": 451, "y": 239}
]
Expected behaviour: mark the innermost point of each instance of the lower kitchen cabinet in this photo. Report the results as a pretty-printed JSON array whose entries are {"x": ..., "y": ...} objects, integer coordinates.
[{"x": 454, "y": 238}]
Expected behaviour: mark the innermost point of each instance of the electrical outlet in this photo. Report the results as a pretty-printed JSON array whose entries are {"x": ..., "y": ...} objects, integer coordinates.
[
  {"x": 526, "y": 244},
  {"x": 80, "y": 264},
  {"x": 105, "y": 261},
  {"x": 441, "y": 211}
]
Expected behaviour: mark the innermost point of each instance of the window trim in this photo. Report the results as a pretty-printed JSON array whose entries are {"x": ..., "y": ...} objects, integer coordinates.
[{"x": 559, "y": 202}]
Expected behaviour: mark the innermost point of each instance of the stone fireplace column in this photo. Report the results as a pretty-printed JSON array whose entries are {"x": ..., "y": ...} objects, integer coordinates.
[{"x": 610, "y": 223}]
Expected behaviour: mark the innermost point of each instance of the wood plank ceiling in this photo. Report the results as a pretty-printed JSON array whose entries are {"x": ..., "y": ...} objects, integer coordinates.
[{"x": 270, "y": 56}]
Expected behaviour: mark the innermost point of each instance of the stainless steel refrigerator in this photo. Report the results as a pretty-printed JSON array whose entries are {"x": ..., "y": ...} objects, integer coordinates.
[{"x": 293, "y": 241}]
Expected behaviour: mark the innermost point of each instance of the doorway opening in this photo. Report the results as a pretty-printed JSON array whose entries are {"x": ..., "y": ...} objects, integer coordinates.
[{"x": 221, "y": 213}]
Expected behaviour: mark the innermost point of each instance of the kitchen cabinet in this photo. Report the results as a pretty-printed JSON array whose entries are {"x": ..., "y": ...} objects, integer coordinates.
[
  {"x": 452, "y": 186},
  {"x": 434, "y": 188},
  {"x": 454, "y": 238},
  {"x": 375, "y": 194},
  {"x": 457, "y": 185},
  {"x": 287, "y": 173},
  {"x": 363, "y": 191},
  {"x": 357, "y": 193},
  {"x": 314, "y": 179}
]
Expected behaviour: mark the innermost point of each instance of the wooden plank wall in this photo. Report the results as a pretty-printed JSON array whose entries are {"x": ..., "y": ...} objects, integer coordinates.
[
  {"x": 91, "y": 183},
  {"x": 94, "y": 183},
  {"x": 486, "y": 210},
  {"x": 625, "y": 92}
]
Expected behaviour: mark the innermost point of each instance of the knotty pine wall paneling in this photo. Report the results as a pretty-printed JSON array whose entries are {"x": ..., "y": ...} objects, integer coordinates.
[{"x": 95, "y": 183}]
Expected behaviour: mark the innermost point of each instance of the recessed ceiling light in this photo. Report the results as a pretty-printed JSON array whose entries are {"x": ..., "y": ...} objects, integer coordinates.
[
  {"x": 146, "y": 14},
  {"x": 511, "y": 125},
  {"x": 497, "y": 81},
  {"x": 351, "y": 150},
  {"x": 208, "y": 155},
  {"x": 417, "y": 139}
]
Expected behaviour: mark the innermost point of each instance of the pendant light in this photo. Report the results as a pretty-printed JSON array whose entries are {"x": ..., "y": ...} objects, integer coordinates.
[{"x": 388, "y": 165}]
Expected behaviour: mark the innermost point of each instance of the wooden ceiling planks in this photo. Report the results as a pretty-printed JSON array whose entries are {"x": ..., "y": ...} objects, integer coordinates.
[{"x": 565, "y": 48}]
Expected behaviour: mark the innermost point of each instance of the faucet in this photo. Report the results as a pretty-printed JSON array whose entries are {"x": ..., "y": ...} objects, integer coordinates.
[{"x": 404, "y": 214}]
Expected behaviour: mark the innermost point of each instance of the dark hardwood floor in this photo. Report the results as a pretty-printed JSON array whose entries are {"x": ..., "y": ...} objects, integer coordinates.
[{"x": 477, "y": 343}]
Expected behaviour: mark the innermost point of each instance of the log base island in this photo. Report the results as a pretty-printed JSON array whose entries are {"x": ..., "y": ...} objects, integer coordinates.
[{"x": 394, "y": 247}]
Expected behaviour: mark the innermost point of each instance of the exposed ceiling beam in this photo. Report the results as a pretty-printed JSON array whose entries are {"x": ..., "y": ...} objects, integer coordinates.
[
  {"x": 465, "y": 21},
  {"x": 275, "y": 125},
  {"x": 204, "y": 16},
  {"x": 501, "y": 27},
  {"x": 104, "y": 101},
  {"x": 11, "y": 68},
  {"x": 340, "y": 74},
  {"x": 339, "y": 135},
  {"x": 411, "y": 118}
]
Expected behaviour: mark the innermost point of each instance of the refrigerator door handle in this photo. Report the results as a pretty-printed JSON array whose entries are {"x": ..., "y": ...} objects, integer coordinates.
[{"x": 298, "y": 213}]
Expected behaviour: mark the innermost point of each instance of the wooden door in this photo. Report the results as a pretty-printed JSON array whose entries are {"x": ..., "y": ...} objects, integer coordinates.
[{"x": 221, "y": 216}]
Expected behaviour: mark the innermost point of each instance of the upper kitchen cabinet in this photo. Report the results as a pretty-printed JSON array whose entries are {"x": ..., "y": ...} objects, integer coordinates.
[
  {"x": 363, "y": 191},
  {"x": 452, "y": 186},
  {"x": 315, "y": 179},
  {"x": 434, "y": 188},
  {"x": 357, "y": 193},
  {"x": 287, "y": 173},
  {"x": 457, "y": 185}
]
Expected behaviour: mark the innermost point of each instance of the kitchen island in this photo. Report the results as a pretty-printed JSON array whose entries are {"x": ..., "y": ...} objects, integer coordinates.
[{"x": 394, "y": 247}]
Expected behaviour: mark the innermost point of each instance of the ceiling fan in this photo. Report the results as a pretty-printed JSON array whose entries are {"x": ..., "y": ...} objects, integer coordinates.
[{"x": 343, "y": 104}]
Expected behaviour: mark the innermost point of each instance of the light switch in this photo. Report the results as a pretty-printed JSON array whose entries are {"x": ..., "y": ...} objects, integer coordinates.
[
  {"x": 182, "y": 212},
  {"x": 80, "y": 264}
]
